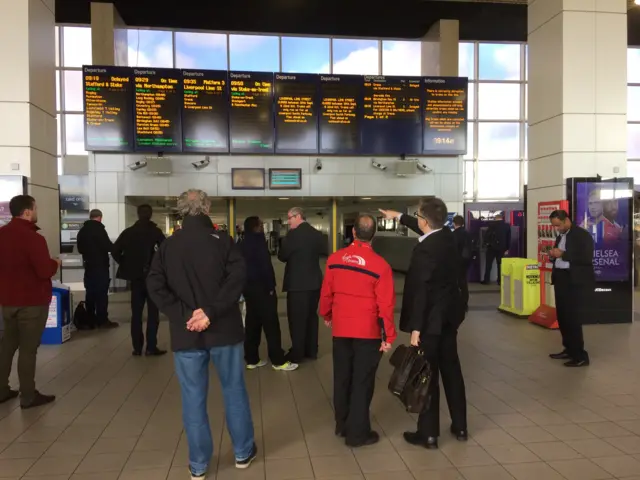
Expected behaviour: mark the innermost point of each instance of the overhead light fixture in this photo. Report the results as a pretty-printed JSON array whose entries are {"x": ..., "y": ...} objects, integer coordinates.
[
  {"x": 637, "y": 2},
  {"x": 283, "y": 198},
  {"x": 366, "y": 198}
]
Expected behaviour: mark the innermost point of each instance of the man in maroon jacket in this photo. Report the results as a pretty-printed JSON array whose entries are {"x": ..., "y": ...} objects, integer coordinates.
[{"x": 25, "y": 293}]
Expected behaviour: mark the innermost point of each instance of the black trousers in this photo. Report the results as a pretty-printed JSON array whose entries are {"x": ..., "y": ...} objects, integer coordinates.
[
  {"x": 96, "y": 285},
  {"x": 463, "y": 283},
  {"x": 442, "y": 353},
  {"x": 302, "y": 313},
  {"x": 491, "y": 256},
  {"x": 571, "y": 300},
  {"x": 140, "y": 296},
  {"x": 262, "y": 314},
  {"x": 355, "y": 362}
]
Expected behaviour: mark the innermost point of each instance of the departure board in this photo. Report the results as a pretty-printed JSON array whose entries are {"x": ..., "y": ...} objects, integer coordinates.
[
  {"x": 340, "y": 106},
  {"x": 251, "y": 112},
  {"x": 296, "y": 119},
  {"x": 205, "y": 111},
  {"x": 158, "y": 110},
  {"x": 445, "y": 115},
  {"x": 108, "y": 107},
  {"x": 391, "y": 115}
]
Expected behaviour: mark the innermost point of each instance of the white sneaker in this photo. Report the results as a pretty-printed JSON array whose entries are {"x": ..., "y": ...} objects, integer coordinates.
[
  {"x": 197, "y": 477},
  {"x": 260, "y": 364},
  {"x": 286, "y": 367}
]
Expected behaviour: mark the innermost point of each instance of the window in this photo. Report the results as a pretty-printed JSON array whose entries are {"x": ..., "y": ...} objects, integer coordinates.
[
  {"x": 306, "y": 55},
  {"x": 498, "y": 141},
  {"x": 257, "y": 53},
  {"x": 74, "y": 134},
  {"x": 58, "y": 90},
  {"x": 633, "y": 65},
  {"x": 633, "y": 170},
  {"x": 466, "y": 60},
  {"x": 633, "y": 104},
  {"x": 633, "y": 141},
  {"x": 525, "y": 172},
  {"x": 59, "y": 137},
  {"x": 201, "y": 50},
  {"x": 470, "y": 139},
  {"x": 150, "y": 48},
  {"x": 471, "y": 105},
  {"x": 76, "y": 42},
  {"x": 499, "y": 101},
  {"x": 57, "y": 43},
  {"x": 498, "y": 180},
  {"x": 401, "y": 58},
  {"x": 499, "y": 61},
  {"x": 468, "y": 180},
  {"x": 358, "y": 57},
  {"x": 73, "y": 91}
]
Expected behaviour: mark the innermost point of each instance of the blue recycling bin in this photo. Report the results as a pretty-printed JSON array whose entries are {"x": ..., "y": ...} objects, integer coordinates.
[{"x": 58, "y": 328}]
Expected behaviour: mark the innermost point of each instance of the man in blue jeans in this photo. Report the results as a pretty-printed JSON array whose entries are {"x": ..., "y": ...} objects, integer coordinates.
[{"x": 196, "y": 278}]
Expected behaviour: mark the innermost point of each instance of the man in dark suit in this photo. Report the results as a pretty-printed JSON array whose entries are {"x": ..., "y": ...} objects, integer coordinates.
[
  {"x": 497, "y": 241},
  {"x": 573, "y": 280},
  {"x": 432, "y": 313},
  {"x": 465, "y": 247},
  {"x": 301, "y": 250}
]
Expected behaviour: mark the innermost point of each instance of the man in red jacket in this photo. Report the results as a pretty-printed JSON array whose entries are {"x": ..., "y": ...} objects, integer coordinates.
[
  {"x": 25, "y": 294},
  {"x": 357, "y": 300}
]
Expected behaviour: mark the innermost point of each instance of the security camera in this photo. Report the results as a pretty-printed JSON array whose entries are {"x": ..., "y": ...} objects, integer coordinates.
[
  {"x": 423, "y": 168},
  {"x": 318, "y": 164},
  {"x": 138, "y": 165},
  {"x": 377, "y": 165},
  {"x": 201, "y": 164}
]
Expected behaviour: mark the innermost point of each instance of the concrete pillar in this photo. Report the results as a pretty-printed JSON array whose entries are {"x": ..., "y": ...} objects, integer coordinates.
[
  {"x": 440, "y": 49},
  {"x": 28, "y": 129},
  {"x": 577, "y": 97},
  {"x": 108, "y": 35}
]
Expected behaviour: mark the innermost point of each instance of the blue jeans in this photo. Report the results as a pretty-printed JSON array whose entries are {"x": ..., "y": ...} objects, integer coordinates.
[{"x": 192, "y": 368}]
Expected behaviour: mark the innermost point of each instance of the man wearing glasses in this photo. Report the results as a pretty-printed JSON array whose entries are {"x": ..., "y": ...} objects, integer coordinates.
[{"x": 301, "y": 250}]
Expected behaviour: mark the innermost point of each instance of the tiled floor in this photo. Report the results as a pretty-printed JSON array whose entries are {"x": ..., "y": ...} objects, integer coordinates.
[{"x": 118, "y": 417}]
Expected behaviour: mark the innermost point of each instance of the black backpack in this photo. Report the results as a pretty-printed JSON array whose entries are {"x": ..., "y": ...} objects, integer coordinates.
[
  {"x": 491, "y": 239},
  {"x": 81, "y": 318}
]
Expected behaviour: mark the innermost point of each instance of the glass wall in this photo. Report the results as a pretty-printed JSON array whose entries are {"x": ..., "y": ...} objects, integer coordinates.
[{"x": 633, "y": 114}]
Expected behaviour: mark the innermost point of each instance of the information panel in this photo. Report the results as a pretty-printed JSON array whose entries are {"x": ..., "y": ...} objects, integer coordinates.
[
  {"x": 392, "y": 115},
  {"x": 285, "y": 178},
  {"x": 340, "y": 107},
  {"x": 205, "y": 111},
  {"x": 296, "y": 100},
  {"x": 445, "y": 115},
  {"x": 158, "y": 109},
  {"x": 251, "y": 112},
  {"x": 108, "y": 107}
]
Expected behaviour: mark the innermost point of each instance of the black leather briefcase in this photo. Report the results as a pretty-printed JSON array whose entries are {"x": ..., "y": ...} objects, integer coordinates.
[{"x": 411, "y": 378}]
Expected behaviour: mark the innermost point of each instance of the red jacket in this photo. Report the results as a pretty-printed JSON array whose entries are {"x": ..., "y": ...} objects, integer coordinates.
[
  {"x": 357, "y": 291},
  {"x": 25, "y": 266}
]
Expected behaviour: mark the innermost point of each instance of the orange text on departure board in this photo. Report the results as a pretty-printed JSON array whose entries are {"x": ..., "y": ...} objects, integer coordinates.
[
  {"x": 149, "y": 99},
  {"x": 98, "y": 111},
  {"x": 444, "y": 111},
  {"x": 385, "y": 101},
  {"x": 244, "y": 93},
  {"x": 195, "y": 89}
]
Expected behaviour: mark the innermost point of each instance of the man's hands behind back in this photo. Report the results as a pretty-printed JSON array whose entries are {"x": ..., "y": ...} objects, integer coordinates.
[{"x": 198, "y": 322}]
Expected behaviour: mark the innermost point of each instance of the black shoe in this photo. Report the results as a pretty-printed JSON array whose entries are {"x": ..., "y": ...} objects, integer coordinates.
[
  {"x": 340, "y": 431},
  {"x": 242, "y": 464},
  {"x": 371, "y": 439},
  {"x": 577, "y": 363},
  {"x": 563, "y": 355},
  {"x": 155, "y": 352},
  {"x": 414, "y": 438},
  {"x": 9, "y": 396},
  {"x": 136, "y": 353},
  {"x": 38, "y": 401},
  {"x": 461, "y": 435},
  {"x": 108, "y": 325}
]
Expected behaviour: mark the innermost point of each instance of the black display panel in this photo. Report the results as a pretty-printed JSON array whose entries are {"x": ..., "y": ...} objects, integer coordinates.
[
  {"x": 247, "y": 178},
  {"x": 340, "y": 109},
  {"x": 205, "y": 111},
  {"x": 445, "y": 115},
  {"x": 285, "y": 178},
  {"x": 296, "y": 113},
  {"x": 251, "y": 112},
  {"x": 158, "y": 110},
  {"x": 391, "y": 115},
  {"x": 108, "y": 107}
]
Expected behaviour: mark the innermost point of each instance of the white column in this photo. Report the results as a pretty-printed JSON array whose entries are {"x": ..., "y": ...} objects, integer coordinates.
[
  {"x": 108, "y": 35},
  {"x": 577, "y": 96},
  {"x": 28, "y": 129},
  {"x": 440, "y": 48}
]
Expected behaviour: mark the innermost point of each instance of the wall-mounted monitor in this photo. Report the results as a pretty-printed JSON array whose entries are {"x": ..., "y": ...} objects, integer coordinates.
[
  {"x": 285, "y": 178},
  {"x": 247, "y": 179}
]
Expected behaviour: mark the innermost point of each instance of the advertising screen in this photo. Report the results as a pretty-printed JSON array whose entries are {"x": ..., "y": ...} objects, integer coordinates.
[{"x": 602, "y": 208}]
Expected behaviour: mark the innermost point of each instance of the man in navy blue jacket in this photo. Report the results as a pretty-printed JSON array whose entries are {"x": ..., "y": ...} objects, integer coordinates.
[{"x": 261, "y": 299}]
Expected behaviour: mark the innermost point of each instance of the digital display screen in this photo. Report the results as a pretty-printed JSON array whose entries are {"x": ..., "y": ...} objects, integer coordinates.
[
  {"x": 392, "y": 115},
  {"x": 205, "y": 111},
  {"x": 247, "y": 178},
  {"x": 158, "y": 110},
  {"x": 108, "y": 109},
  {"x": 445, "y": 115},
  {"x": 340, "y": 104},
  {"x": 285, "y": 178},
  {"x": 251, "y": 112},
  {"x": 296, "y": 101},
  {"x": 602, "y": 208}
]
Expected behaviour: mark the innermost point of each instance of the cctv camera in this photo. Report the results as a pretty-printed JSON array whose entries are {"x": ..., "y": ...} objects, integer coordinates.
[
  {"x": 201, "y": 163},
  {"x": 377, "y": 165},
  {"x": 423, "y": 168},
  {"x": 138, "y": 165},
  {"x": 318, "y": 164}
]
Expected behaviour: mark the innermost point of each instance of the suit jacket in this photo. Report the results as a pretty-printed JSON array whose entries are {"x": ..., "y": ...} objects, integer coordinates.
[
  {"x": 464, "y": 246},
  {"x": 579, "y": 253},
  {"x": 301, "y": 250},
  {"x": 431, "y": 297},
  {"x": 503, "y": 234}
]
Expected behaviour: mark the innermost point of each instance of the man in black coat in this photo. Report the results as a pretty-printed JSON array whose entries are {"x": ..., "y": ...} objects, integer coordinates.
[
  {"x": 133, "y": 251},
  {"x": 301, "y": 250},
  {"x": 261, "y": 299},
  {"x": 94, "y": 245},
  {"x": 497, "y": 241},
  {"x": 573, "y": 281},
  {"x": 465, "y": 251},
  {"x": 431, "y": 313}
]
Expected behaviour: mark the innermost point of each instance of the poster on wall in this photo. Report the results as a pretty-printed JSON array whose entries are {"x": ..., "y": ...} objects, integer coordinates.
[
  {"x": 602, "y": 208},
  {"x": 10, "y": 186},
  {"x": 546, "y": 232},
  {"x": 74, "y": 201}
]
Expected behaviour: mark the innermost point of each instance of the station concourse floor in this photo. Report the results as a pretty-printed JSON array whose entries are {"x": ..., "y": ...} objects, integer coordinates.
[{"x": 119, "y": 417}]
